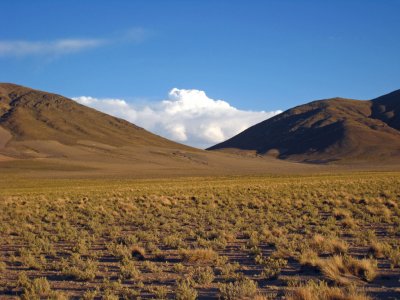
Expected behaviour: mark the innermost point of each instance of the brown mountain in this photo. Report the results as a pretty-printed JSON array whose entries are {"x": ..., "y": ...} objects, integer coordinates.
[
  {"x": 39, "y": 124},
  {"x": 41, "y": 131},
  {"x": 327, "y": 130},
  {"x": 35, "y": 115}
]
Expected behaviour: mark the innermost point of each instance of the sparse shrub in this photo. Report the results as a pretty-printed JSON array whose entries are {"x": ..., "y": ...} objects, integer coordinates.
[
  {"x": 337, "y": 268},
  {"x": 81, "y": 247},
  {"x": 37, "y": 288},
  {"x": 254, "y": 240},
  {"x": 321, "y": 291},
  {"x": 29, "y": 260},
  {"x": 151, "y": 247},
  {"x": 200, "y": 256},
  {"x": 244, "y": 288},
  {"x": 178, "y": 268},
  {"x": 129, "y": 293},
  {"x": 79, "y": 268},
  {"x": 394, "y": 257},
  {"x": 340, "y": 213},
  {"x": 379, "y": 249},
  {"x": 337, "y": 246},
  {"x": 23, "y": 279},
  {"x": 229, "y": 271},
  {"x": 185, "y": 291},
  {"x": 349, "y": 223},
  {"x": 309, "y": 257},
  {"x": 161, "y": 292},
  {"x": 328, "y": 245},
  {"x": 272, "y": 266},
  {"x": 3, "y": 266},
  {"x": 203, "y": 275},
  {"x": 119, "y": 251},
  {"x": 127, "y": 240},
  {"x": 90, "y": 294},
  {"x": 173, "y": 242},
  {"x": 129, "y": 270},
  {"x": 111, "y": 289},
  {"x": 270, "y": 296},
  {"x": 294, "y": 281},
  {"x": 255, "y": 251},
  {"x": 110, "y": 295},
  {"x": 151, "y": 266}
]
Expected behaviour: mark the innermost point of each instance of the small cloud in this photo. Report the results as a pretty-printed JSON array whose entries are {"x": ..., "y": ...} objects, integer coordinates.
[
  {"x": 67, "y": 45},
  {"x": 58, "y": 47},
  {"x": 188, "y": 116},
  {"x": 136, "y": 35}
]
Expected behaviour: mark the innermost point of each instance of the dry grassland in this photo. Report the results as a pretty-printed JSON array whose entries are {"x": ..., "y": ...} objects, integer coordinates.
[{"x": 292, "y": 237}]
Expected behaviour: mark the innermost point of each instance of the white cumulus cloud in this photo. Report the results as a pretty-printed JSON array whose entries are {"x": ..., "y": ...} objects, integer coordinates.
[{"x": 187, "y": 116}]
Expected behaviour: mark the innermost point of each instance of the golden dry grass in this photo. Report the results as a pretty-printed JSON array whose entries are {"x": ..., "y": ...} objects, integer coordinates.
[
  {"x": 345, "y": 270},
  {"x": 321, "y": 291},
  {"x": 201, "y": 237}
]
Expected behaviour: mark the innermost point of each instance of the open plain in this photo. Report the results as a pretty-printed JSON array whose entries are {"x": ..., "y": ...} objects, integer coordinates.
[{"x": 314, "y": 236}]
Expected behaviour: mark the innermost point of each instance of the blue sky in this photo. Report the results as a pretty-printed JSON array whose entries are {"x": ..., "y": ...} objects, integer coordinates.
[{"x": 255, "y": 55}]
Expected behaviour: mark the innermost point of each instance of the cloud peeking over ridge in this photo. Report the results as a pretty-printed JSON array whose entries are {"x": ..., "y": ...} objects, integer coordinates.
[{"x": 188, "y": 116}]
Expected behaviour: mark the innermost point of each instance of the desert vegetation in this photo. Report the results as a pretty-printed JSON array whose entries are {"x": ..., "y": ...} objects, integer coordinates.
[{"x": 270, "y": 237}]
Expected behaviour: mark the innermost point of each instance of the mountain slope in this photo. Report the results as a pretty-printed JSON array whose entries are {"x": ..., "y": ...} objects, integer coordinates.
[
  {"x": 35, "y": 115},
  {"x": 37, "y": 124},
  {"x": 327, "y": 130}
]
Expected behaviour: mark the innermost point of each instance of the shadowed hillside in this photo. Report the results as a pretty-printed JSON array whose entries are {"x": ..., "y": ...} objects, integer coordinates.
[
  {"x": 327, "y": 130},
  {"x": 387, "y": 109}
]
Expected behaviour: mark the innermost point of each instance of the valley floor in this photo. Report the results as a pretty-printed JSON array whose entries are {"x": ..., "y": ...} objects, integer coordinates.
[{"x": 326, "y": 236}]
